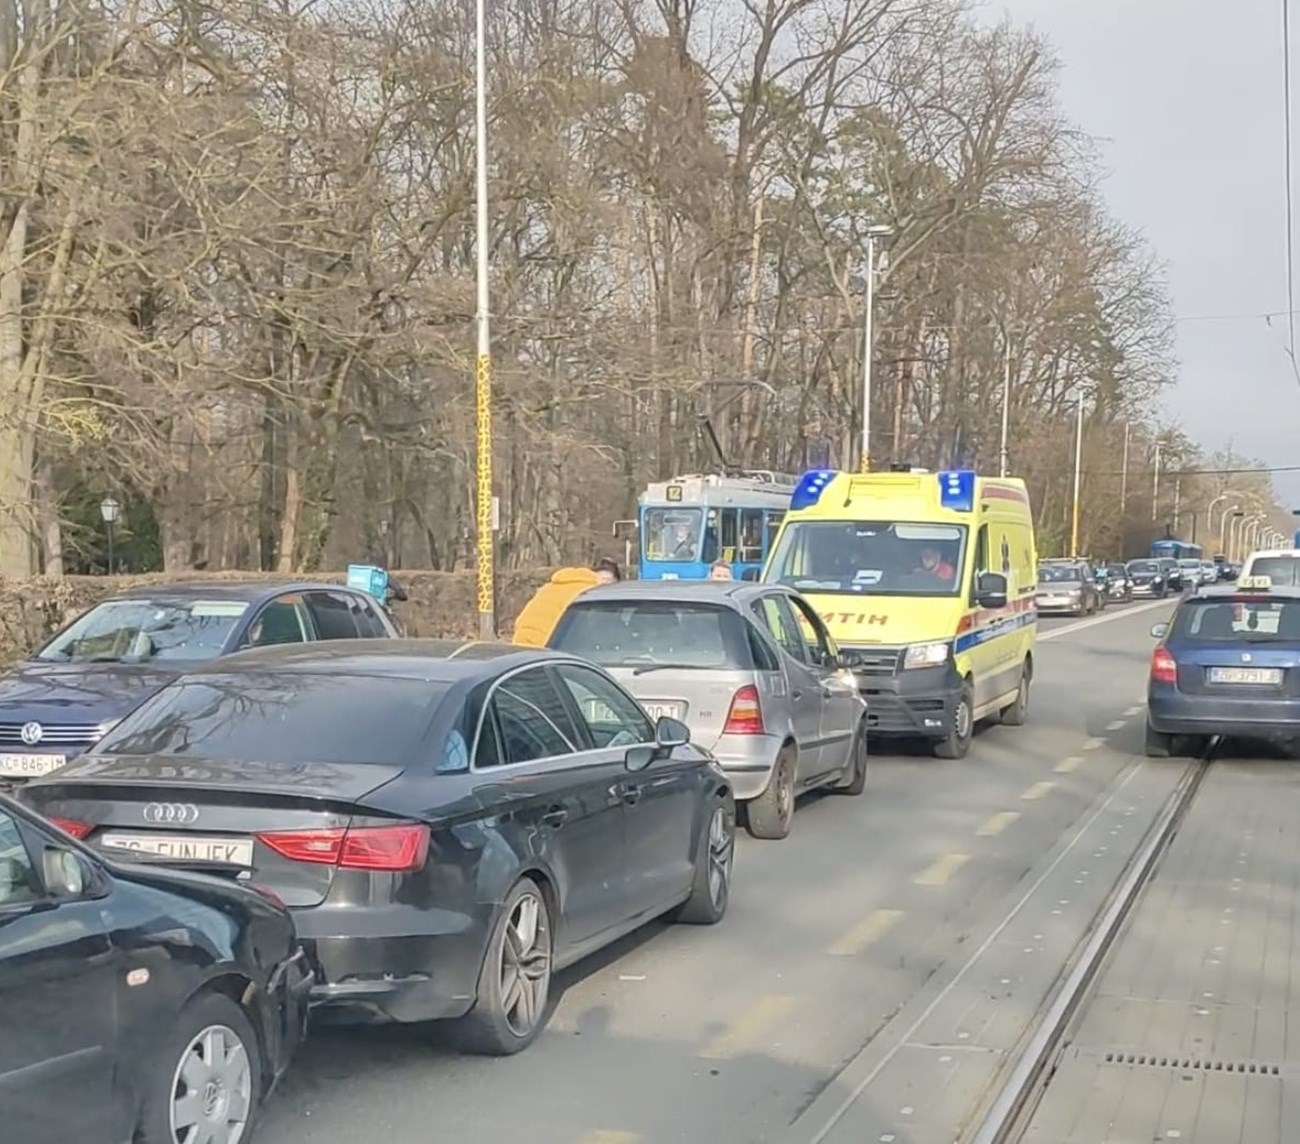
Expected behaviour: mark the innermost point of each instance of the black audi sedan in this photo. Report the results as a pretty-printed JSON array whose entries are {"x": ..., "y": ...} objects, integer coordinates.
[
  {"x": 449, "y": 823},
  {"x": 136, "y": 1003},
  {"x": 67, "y": 693}
]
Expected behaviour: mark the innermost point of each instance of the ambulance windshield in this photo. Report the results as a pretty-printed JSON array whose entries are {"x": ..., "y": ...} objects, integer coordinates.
[{"x": 869, "y": 558}]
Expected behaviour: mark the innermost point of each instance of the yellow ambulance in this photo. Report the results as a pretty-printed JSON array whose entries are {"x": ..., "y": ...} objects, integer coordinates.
[{"x": 926, "y": 581}]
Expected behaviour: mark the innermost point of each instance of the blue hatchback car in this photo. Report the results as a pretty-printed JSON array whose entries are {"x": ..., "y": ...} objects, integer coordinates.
[
  {"x": 1228, "y": 663},
  {"x": 65, "y": 696}
]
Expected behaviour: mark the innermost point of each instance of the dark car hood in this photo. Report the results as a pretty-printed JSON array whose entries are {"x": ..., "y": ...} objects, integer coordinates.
[{"x": 78, "y": 692}]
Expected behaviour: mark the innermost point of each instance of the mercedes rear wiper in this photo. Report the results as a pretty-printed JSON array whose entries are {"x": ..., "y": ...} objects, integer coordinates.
[{"x": 664, "y": 667}]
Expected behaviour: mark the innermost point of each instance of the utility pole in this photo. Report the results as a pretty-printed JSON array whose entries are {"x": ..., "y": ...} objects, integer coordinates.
[
  {"x": 1078, "y": 478},
  {"x": 1155, "y": 486},
  {"x": 869, "y": 344},
  {"x": 1006, "y": 401},
  {"x": 1123, "y": 476},
  {"x": 486, "y": 556},
  {"x": 1178, "y": 498}
]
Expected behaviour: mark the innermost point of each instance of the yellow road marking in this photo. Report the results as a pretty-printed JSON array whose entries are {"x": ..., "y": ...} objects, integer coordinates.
[
  {"x": 745, "y": 1031},
  {"x": 870, "y": 929},
  {"x": 1037, "y": 791},
  {"x": 608, "y": 1136},
  {"x": 1065, "y": 766},
  {"x": 941, "y": 870},
  {"x": 998, "y": 823}
]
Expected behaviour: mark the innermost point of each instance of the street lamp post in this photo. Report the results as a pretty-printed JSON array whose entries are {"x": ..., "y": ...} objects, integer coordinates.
[
  {"x": 1223, "y": 527},
  {"x": 869, "y": 343},
  {"x": 1006, "y": 402},
  {"x": 109, "y": 510},
  {"x": 1155, "y": 486},
  {"x": 486, "y": 556},
  {"x": 1078, "y": 479}
]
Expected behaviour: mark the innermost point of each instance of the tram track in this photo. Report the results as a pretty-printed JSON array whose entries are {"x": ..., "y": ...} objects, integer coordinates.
[{"x": 1005, "y": 1117}]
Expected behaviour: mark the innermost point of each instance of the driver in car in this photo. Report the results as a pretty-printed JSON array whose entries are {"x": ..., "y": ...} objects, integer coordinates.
[{"x": 933, "y": 564}]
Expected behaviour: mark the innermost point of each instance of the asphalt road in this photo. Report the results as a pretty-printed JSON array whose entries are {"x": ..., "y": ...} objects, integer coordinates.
[{"x": 729, "y": 1034}]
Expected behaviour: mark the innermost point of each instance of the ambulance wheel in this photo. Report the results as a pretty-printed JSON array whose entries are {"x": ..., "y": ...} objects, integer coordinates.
[
  {"x": 957, "y": 742},
  {"x": 1015, "y": 712}
]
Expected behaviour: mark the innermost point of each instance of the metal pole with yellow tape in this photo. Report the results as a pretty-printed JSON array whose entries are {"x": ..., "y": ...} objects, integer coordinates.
[{"x": 483, "y": 361}]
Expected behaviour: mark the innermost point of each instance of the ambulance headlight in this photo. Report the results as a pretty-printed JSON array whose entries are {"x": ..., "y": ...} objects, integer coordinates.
[{"x": 926, "y": 655}]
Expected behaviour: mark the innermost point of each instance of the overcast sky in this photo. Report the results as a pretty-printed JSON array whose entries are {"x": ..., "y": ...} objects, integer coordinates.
[{"x": 1186, "y": 99}]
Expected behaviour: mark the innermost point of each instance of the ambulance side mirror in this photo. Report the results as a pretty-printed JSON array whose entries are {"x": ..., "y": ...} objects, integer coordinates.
[{"x": 991, "y": 590}]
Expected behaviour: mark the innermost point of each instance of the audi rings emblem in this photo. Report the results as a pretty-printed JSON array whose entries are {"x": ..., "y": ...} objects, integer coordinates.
[
  {"x": 31, "y": 733},
  {"x": 178, "y": 813}
]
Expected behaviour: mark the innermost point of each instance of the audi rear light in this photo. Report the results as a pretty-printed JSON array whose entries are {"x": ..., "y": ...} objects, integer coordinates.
[
  {"x": 397, "y": 849},
  {"x": 1164, "y": 669},
  {"x": 78, "y": 830},
  {"x": 745, "y": 716}
]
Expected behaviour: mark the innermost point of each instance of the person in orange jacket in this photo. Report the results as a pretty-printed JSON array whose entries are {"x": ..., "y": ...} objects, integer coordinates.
[{"x": 540, "y": 615}]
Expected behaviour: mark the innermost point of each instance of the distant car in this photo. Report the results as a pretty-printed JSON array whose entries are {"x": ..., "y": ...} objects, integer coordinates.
[
  {"x": 1191, "y": 574},
  {"x": 449, "y": 823},
  {"x": 1118, "y": 587},
  {"x": 1209, "y": 572},
  {"x": 1067, "y": 587},
  {"x": 72, "y": 689},
  {"x": 748, "y": 667},
  {"x": 138, "y": 1003},
  {"x": 1173, "y": 573},
  {"x": 1147, "y": 579},
  {"x": 1227, "y": 664}
]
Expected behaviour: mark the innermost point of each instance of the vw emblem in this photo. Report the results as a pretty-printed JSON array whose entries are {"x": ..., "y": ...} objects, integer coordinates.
[
  {"x": 1245, "y": 657},
  {"x": 179, "y": 813},
  {"x": 31, "y": 733}
]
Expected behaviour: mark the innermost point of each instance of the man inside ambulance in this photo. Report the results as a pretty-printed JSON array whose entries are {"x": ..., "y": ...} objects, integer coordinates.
[{"x": 934, "y": 565}]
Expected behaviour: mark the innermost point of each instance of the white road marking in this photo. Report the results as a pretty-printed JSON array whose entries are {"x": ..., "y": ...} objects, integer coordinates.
[
  {"x": 1115, "y": 725},
  {"x": 1105, "y": 618}
]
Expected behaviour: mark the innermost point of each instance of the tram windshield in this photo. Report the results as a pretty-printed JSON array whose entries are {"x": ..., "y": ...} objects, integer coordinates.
[{"x": 673, "y": 533}]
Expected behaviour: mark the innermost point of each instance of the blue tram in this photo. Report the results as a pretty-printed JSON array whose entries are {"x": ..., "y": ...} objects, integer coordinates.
[
  {"x": 687, "y": 523},
  {"x": 1169, "y": 548}
]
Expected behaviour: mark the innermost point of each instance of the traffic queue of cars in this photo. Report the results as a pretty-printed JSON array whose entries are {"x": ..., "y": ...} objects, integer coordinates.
[{"x": 442, "y": 824}]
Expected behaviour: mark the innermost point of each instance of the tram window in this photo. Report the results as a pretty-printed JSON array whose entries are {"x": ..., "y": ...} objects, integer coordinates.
[
  {"x": 730, "y": 534},
  {"x": 773, "y": 527},
  {"x": 710, "y": 553},
  {"x": 751, "y": 535}
]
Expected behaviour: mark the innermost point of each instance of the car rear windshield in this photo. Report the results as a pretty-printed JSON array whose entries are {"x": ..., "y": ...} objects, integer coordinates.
[
  {"x": 282, "y": 717},
  {"x": 1058, "y": 573},
  {"x": 1282, "y": 570},
  {"x": 1235, "y": 619},
  {"x": 1144, "y": 568},
  {"x": 141, "y": 631},
  {"x": 640, "y": 633}
]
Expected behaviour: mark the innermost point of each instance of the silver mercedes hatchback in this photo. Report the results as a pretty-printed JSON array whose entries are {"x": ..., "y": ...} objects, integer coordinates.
[{"x": 750, "y": 668}]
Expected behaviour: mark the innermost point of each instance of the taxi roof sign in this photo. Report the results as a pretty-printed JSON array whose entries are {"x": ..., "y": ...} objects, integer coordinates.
[{"x": 1255, "y": 583}]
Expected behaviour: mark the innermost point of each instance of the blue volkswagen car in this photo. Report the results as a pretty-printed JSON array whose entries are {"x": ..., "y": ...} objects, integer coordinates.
[
  {"x": 69, "y": 692},
  {"x": 1228, "y": 663}
]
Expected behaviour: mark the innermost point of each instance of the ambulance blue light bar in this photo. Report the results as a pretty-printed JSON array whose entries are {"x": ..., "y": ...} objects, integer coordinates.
[
  {"x": 957, "y": 490},
  {"x": 810, "y": 487}
]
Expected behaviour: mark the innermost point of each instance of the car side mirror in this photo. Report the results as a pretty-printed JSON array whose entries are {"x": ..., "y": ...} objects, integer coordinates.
[
  {"x": 991, "y": 590},
  {"x": 1159, "y": 631},
  {"x": 639, "y": 757},
  {"x": 671, "y": 733},
  {"x": 750, "y": 574},
  {"x": 66, "y": 873}
]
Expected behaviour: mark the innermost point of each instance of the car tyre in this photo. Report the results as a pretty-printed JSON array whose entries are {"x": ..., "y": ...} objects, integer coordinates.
[
  {"x": 957, "y": 743},
  {"x": 515, "y": 981},
  {"x": 771, "y": 815},
  {"x": 1158, "y": 745},
  {"x": 207, "y": 1074},
  {"x": 855, "y": 771},
  {"x": 711, "y": 890},
  {"x": 1016, "y": 712}
]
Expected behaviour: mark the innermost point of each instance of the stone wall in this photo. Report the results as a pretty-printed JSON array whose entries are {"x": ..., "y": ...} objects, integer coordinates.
[{"x": 440, "y": 604}]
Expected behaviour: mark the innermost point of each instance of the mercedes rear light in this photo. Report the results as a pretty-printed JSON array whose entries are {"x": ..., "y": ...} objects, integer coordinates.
[
  {"x": 1163, "y": 667},
  {"x": 745, "y": 716},
  {"x": 78, "y": 830},
  {"x": 399, "y": 848}
]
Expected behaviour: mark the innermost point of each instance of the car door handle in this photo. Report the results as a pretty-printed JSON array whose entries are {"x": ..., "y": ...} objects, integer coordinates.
[
  {"x": 632, "y": 795},
  {"x": 556, "y": 816}
]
